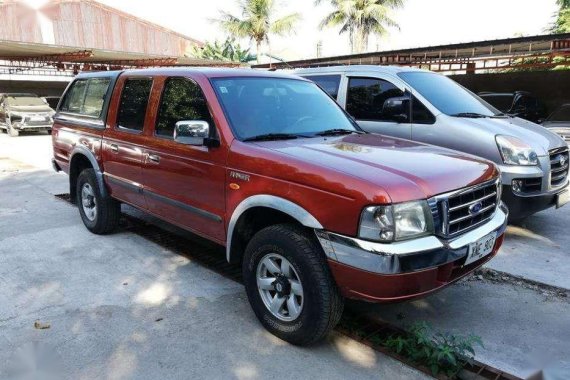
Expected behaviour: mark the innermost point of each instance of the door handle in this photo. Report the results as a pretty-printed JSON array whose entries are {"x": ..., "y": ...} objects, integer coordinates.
[
  {"x": 154, "y": 158},
  {"x": 114, "y": 148}
]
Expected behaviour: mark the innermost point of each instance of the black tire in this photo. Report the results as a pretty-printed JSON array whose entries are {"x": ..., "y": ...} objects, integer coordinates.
[
  {"x": 108, "y": 210},
  {"x": 48, "y": 131},
  {"x": 322, "y": 301}
]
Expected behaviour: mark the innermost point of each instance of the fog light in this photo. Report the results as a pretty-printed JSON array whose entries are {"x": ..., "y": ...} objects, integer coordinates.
[{"x": 517, "y": 185}]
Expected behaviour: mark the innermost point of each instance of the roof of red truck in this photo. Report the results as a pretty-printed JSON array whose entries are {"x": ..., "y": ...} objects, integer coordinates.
[{"x": 207, "y": 71}]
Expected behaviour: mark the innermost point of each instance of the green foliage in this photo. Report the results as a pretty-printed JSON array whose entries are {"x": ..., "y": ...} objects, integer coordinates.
[
  {"x": 442, "y": 353},
  {"x": 562, "y": 22},
  {"x": 360, "y": 19},
  {"x": 228, "y": 50},
  {"x": 257, "y": 21}
]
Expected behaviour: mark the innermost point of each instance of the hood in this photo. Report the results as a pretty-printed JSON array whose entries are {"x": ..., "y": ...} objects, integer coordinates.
[
  {"x": 405, "y": 170},
  {"x": 29, "y": 109},
  {"x": 539, "y": 138}
]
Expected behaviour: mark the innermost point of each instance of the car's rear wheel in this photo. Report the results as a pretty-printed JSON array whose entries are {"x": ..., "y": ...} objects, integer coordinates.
[
  {"x": 100, "y": 214},
  {"x": 289, "y": 285}
]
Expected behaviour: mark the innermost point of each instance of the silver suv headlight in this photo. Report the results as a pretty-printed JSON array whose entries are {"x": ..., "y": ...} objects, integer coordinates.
[
  {"x": 396, "y": 222},
  {"x": 516, "y": 152}
]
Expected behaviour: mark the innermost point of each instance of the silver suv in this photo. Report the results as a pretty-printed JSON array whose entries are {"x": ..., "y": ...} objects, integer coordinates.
[{"x": 427, "y": 107}]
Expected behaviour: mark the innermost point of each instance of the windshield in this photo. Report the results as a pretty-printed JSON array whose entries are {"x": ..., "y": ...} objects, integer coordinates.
[
  {"x": 262, "y": 106},
  {"x": 24, "y": 101},
  {"x": 446, "y": 95}
]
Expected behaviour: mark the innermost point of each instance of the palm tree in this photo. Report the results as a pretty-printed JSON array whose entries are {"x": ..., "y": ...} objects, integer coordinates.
[
  {"x": 361, "y": 18},
  {"x": 257, "y": 22}
]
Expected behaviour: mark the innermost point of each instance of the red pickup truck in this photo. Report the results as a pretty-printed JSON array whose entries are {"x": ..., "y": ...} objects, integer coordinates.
[{"x": 268, "y": 165}]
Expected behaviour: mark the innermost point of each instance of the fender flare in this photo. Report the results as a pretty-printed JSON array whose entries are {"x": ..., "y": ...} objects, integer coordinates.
[
  {"x": 80, "y": 149},
  {"x": 270, "y": 201}
]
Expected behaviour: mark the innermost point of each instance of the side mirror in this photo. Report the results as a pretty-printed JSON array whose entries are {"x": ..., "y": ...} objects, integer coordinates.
[
  {"x": 193, "y": 132},
  {"x": 397, "y": 109}
]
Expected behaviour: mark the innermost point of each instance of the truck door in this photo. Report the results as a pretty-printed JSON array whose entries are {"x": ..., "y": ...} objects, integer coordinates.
[
  {"x": 184, "y": 183},
  {"x": 123, "y": 141},
  {"x": 379, "y": 106}
]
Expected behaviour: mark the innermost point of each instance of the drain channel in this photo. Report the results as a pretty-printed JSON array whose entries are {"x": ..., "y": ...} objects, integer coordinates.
[{"x": 212, "y": 256}]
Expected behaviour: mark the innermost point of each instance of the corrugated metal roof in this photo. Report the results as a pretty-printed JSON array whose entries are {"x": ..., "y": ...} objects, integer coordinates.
[{"x": 90, "y": 25}]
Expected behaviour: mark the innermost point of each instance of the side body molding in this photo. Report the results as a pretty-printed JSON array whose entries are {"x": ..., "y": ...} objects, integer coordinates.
[
  {"x": 80, "y": 149},
  {"x": 270, "y": 201}
]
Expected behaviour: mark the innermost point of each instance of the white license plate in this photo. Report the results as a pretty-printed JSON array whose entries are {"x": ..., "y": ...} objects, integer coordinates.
[
  {"x": 481, "y": 248},
  {"x": 37, "y": 118},
  {"x": 562, "y": 198}
]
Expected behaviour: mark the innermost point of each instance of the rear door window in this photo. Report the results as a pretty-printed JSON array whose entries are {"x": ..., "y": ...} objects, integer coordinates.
[
  {"x": 366, "y": 97},
  {"x": 133, "y": 104},
  {"x": 86, "y": 97},
  {"x": 329, "y": 83}
]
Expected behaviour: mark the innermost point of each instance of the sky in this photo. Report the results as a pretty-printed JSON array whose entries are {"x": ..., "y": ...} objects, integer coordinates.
[{"x": 422, "y": 22}]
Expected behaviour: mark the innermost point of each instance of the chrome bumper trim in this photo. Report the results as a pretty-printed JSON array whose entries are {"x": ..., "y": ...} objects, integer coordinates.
[{"x": 406, "y": 256}]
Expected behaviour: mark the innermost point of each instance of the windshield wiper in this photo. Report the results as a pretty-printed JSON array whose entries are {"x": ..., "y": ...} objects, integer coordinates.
[
  {"x": 502, "y": 115},
  {"x": 337, "y": 131},
  {"x": 472, "y": 115},
  {"x": 272, "y": 136}
]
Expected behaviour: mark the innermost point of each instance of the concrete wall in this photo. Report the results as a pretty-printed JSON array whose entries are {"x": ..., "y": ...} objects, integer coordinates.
[
  {"x": 551, "y": 87},
  {"x": 46, "y": 88}
]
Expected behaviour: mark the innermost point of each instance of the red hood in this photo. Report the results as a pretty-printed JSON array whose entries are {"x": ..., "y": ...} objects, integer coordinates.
[{"x": 405, "y": 170}]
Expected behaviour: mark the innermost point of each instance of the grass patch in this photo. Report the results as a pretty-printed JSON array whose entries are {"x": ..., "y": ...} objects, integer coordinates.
[{"x": 442, "y": 353}]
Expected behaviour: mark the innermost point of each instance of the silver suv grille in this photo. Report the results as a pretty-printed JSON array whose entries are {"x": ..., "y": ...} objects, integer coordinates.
[
  {"x": 558, "y": 167},
  {"x": 466, "y": 209}
]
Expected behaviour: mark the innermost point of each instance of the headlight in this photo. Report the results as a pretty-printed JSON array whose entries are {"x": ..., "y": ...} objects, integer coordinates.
[
  {"x": 396, "y": 222},
  {"x": 516, "y": 152},
  {"x": 16, "y": 116}
]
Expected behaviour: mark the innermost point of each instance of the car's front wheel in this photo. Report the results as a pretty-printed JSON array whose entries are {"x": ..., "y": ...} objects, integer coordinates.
[
  {"x": 289, "y": 285},
  {"x": 99, "y": 213}
]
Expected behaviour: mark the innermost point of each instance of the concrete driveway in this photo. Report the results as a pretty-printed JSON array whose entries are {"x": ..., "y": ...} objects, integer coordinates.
[
  {"x": 120, "y": 305},
  {"x": 75, "y": 305}
]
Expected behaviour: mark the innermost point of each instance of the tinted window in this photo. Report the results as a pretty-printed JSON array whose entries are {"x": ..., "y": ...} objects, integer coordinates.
[
  {"x": 420, "y": 114},
  {"x": 134, "y": 99},
  {"x": 446, "y": 95},
  {"x": 74, "y": 99},
  {"x": 257, "y": 106},
  {"x": 366, "y": 97},
  {"x": 561, "y": 114},
  {"x": 524, "y": 102},
  {"x": 182, "y": 100},
  {"x": 503, "y": 103},
  {"x": 329, "y": 83}
]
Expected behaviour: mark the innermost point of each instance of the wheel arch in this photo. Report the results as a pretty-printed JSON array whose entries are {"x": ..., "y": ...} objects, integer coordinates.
[
  {"x": 257, "y": 212},
  {"x": 81, "y": 159}
]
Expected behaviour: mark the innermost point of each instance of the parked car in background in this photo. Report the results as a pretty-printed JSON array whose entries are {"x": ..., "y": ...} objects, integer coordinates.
[
  {"x": 519, "y": 103},
  {"x": 559, "y": 122},
  {"x": 52, "y": 101},
  {"x": 24, "y": 112},
  {"x": 313, "y": 208},
  {"x": 431, "y": 108}
]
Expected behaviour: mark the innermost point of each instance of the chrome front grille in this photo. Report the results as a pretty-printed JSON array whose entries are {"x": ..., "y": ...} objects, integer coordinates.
[
  {"x": 468, "y": 208},
  {"x": 559, "y": 164}
]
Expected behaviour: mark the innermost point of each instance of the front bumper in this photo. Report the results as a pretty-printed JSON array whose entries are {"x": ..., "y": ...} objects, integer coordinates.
[
  {"x": 523, "y": 204},
  {"x": 406, "y": 269},
  {"x": 31, "y": 127}
]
